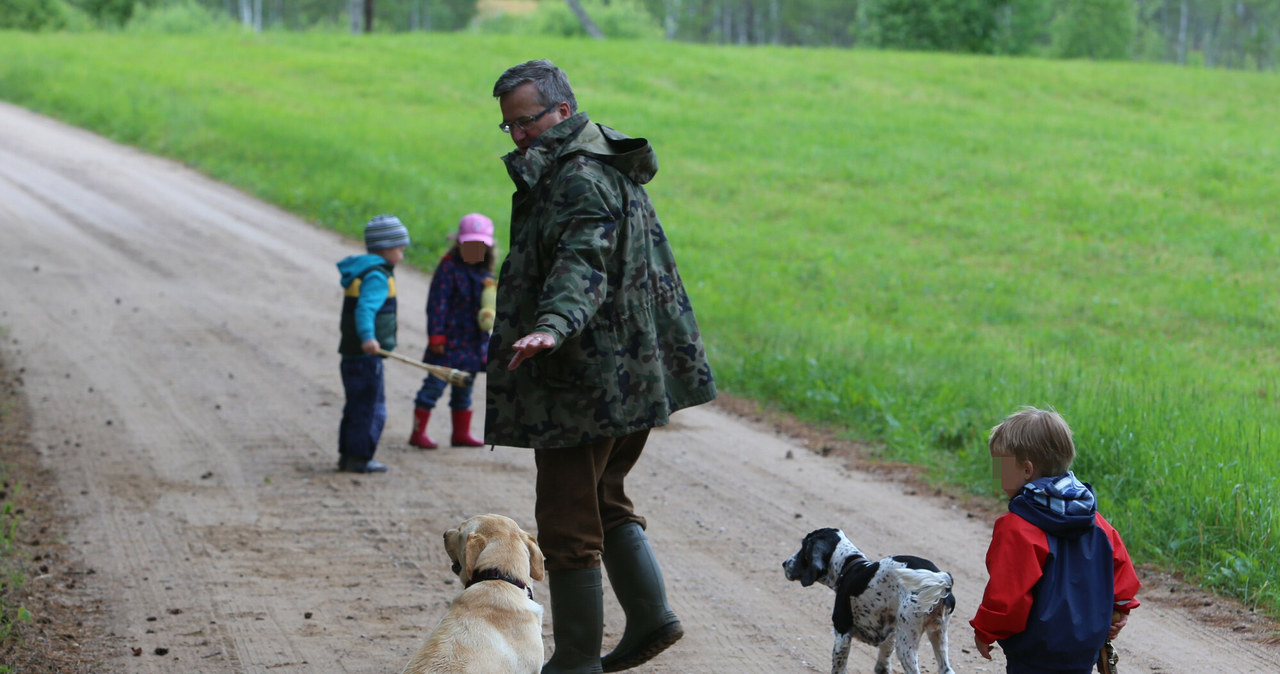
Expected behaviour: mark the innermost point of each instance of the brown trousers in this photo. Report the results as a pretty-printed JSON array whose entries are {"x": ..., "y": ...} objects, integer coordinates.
[{"x": 580, "y": 496}]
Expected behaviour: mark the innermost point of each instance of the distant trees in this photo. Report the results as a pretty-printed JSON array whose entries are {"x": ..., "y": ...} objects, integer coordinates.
[
  {"x": 1232, "y": 33},
  {"x": 1229, "y": 33},
  {"x": 1216, "y": 33},
  {"x": 358, "y": 16},
  {"x": 980, "y": 26},
  {"x": 584, "y": 19},
  {"x": 786, "y": 22},
  {"x": 974, "y": 26},
  {"x": 30, "y": 15},
  {"x": 111, "y": 12},
  {"x": 1095, "y": 29},
  {"x": 1224, "y": 33}
]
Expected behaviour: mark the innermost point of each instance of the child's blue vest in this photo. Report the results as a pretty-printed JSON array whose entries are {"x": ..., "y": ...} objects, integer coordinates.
[{"x": 384, "y": 322}]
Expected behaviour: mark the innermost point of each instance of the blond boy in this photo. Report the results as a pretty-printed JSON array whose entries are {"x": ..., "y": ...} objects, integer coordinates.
[{"x": 1062, "y": 583}]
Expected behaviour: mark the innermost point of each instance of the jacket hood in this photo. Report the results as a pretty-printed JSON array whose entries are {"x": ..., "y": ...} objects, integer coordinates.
[
  {"x": 577, "y": 135},
  {"x": 353, "y": 266},
  {"x": 1059, "y": 505}
]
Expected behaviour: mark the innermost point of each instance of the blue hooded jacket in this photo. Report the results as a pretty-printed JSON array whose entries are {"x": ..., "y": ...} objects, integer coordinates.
[{"x": 1071, "y": 611}]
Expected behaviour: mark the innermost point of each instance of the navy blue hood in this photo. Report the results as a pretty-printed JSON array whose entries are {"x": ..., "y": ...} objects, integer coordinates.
[{"x": 1059, "y": 505}]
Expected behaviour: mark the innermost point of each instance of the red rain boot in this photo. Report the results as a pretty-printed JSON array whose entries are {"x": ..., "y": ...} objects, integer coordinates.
[
  {"x": 462, "y": 430},
  {"x": 419, "y": 437}
]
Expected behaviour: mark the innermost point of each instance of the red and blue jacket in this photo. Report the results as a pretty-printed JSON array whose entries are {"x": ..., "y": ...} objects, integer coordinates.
[{"x": 1058, "y": 570}]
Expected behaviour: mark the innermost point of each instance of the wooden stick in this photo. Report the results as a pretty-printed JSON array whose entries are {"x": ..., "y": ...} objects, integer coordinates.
[
  {"x": 1108, "y": 659},
  {"x": 455, "y": 377}
]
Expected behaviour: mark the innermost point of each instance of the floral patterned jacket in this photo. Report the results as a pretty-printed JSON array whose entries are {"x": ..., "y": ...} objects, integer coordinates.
[{"x": 452, "y": 305}]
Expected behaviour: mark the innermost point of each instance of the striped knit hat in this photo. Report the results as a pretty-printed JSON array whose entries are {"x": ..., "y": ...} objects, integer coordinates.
[{"x": 385, "y": 231}]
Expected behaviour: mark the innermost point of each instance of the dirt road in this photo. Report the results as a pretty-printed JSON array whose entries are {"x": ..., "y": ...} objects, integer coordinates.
[{"x": 177, "y": 347}]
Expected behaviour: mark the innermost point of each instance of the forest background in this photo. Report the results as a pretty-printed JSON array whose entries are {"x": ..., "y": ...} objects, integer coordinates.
[{"x": 1215, "y": 33}]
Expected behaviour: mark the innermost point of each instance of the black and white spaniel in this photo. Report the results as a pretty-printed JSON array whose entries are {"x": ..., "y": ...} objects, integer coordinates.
[{"x": 889, "y": 604}]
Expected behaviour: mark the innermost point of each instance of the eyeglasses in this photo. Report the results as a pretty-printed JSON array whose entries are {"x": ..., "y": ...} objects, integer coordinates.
[{"x": 525, "y": 122}]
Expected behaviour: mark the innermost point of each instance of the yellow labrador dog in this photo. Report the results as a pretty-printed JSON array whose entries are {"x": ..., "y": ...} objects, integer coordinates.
[{"x": 494, "y": 625}]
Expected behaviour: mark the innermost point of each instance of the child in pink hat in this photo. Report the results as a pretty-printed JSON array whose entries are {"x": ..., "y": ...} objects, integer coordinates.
[{"x": 458, "y": 325}]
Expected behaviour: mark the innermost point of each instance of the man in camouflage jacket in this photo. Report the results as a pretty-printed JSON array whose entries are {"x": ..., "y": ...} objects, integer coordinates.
[{"x": 595, "y": 343}]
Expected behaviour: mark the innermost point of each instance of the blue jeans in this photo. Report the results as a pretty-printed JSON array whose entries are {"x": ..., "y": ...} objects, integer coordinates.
[
  {"x": 432, "y": 387},
  {"x": 365, "y": 412}
]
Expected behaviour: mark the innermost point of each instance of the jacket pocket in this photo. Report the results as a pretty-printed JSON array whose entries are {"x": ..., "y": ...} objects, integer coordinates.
[{"x": 579, "y": 363}]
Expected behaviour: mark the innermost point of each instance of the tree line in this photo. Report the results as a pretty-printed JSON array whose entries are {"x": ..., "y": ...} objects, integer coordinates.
[
  {"x": 1215, "y": 33},
  {"x": 1223, "y": 33}
]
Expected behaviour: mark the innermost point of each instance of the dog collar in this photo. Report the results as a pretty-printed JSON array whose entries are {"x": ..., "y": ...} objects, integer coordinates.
[
  {"x": 494, "y": 574},
  {"x": 852, "y": 562}
]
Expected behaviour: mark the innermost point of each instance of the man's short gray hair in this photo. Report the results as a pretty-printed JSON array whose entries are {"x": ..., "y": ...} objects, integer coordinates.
[{"x": 549, "y": 81}]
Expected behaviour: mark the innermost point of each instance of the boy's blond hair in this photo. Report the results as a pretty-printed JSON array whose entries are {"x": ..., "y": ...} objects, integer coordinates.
[{"x": 1039, "y": 436}]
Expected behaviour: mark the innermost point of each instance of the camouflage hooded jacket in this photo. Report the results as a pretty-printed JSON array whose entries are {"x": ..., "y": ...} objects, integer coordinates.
[{"x": 589, "y": 263}]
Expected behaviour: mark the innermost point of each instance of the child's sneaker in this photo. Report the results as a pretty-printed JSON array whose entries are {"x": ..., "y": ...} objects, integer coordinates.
[{"x": 352, "y": 465}]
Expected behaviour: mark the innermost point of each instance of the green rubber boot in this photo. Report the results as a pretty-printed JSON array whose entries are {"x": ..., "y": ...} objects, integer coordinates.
[
  {"x": 577, "y": 621},
  {"x": 652, "y": 627}
]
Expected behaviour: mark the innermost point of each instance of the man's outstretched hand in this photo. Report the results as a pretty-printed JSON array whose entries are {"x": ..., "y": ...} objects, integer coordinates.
[{"x": 530, "y": 345}]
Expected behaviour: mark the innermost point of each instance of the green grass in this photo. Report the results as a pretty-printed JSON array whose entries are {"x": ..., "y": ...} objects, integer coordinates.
[
  {"x": 13, "y": 570},
  {"x": 12, "y": 573},
  {"x": 11, "y": 576},
  {"x": 904, "y": 246}
]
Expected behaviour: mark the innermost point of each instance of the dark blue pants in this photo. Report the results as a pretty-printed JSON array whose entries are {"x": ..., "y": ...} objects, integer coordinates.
[
  {"x": 1016, "y": 667},
  {"x": 432, "y": 387},
  {"x": 365, "y": 412}
]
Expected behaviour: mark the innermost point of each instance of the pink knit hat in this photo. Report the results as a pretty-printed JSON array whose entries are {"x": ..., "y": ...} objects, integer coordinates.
[{"x": 475, "y": 227}]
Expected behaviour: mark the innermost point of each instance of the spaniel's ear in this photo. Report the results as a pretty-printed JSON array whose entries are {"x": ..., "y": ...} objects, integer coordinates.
[
  {"x": 842, "y": 614},
  {"x": 537, "y": 565},
  {"x": 476, "y": 543},
  {"x": 813, "y": 570},
  {"x": 816, "y": 553}
]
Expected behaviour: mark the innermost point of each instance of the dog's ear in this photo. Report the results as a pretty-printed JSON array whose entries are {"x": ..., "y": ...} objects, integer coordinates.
[
  {"x": 537, "y": 565},
  {"x": 812, "y": 571},
  {"x": 476, "y": 543},
  {"x": 450, "y": 536},
  {"x": 842, "y": 614},
  {"x": 815, "y": 553}
]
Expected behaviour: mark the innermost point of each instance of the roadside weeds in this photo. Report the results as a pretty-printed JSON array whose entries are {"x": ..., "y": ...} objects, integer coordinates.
[{"x": 48, "y": 612}]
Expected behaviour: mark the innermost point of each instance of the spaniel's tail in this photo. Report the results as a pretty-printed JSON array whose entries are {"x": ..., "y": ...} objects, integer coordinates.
[{"x": 928, "y": 587}]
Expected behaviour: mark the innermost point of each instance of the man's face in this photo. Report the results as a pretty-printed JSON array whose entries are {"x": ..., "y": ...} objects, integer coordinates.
[{"x": 520, "y": 105}]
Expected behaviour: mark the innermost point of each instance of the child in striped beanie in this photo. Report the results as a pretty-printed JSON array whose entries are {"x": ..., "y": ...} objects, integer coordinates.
[
  {"x": 368, "y": 325},
  {"x": 383, "y": 232}
]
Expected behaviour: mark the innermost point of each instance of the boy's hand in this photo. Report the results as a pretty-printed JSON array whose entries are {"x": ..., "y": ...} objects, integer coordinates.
[
  {"x": 437, "y": 349},
  {"x": 1118, "y": 621},
  {"x": 371, "y": 347},
  {"x": 984, "y": 648}
]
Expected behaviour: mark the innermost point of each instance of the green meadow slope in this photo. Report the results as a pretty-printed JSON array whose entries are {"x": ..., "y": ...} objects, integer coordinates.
[{"x": 905, "y": 247}]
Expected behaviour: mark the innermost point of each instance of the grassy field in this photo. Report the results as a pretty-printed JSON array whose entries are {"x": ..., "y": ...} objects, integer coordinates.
[{"x": 906, "y": 247}]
